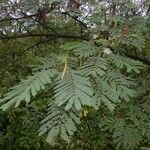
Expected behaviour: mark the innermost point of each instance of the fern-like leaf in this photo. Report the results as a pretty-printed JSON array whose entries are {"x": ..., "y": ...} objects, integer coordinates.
[
  {"x": 119, "y": 85},
  {"x": 74, "y": 90},
  {"x": 127, "y": 138},
  {"x": 27, "y": 88},
  {"x": 95, "y": 66},
  {"x": 123, "y": 62},
  {"x": 81, "y": 49},
  {"x": 46, "y": 62},
  {"x": 112, "y": 88},
  {"x": 59, "y": 122}
]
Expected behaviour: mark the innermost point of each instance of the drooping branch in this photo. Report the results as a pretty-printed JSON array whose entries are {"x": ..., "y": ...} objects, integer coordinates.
[
  {"x": 43, "y": 35},
  {"x": 145, "y": 61}
]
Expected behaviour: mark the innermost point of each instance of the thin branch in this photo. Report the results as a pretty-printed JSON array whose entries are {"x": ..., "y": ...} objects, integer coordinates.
[
  {"x": 45, "y": 26},
  {"x": 145, "y": 61},
  {"x": 43, "y": 35}
]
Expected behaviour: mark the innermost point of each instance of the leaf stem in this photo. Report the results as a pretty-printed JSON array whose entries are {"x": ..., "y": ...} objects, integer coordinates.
[{"x": 64, "y": 71}]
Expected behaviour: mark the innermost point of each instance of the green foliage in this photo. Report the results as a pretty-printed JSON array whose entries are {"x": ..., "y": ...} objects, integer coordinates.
[
  {"x": 95, "y": 66},
  {"x": 46, "y": 62},
  {"x": 123, "y": 62},
  {"x": 113, "y": 88},
  {"x": 128, "y": 137},
  {"x": 81, "y": 49},
  {"x": 89, "y": 66},
  {"x": 74, "y": 91},
  {"x": 59, "y": 122},
  {"x": 90, "y": 85},
  {"x": 125, "y": 137},
  {"x": 27, "y": 88}
]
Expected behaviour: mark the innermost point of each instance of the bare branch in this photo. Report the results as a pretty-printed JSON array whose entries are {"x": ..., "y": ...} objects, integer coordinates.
[{"x": 43, "y": 35}]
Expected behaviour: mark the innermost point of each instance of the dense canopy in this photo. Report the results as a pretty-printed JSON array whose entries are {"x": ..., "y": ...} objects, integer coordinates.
[{"x": 75, "y": 74}]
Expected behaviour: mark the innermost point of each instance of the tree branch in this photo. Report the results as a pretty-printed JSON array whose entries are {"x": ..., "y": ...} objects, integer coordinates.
[
  {"x": 43, "y": 35},
  {"x": 145, "y": 61}
]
